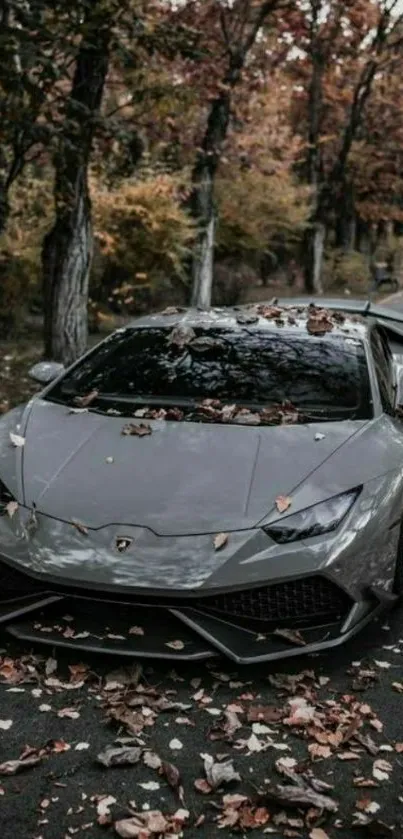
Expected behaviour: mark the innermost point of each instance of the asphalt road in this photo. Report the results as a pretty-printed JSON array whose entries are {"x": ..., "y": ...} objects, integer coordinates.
[{"x": 58, "y": 798}]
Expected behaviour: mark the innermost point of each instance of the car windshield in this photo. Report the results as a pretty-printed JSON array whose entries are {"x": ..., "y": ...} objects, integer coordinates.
[{"x": 248, "y": 366}]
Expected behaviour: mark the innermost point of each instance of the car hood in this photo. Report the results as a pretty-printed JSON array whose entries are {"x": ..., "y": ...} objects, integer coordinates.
[{"x": 184, "y": 478}]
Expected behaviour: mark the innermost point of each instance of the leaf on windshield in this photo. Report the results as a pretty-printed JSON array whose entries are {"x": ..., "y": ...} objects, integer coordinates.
[
  {"x": 133, "y": 429},
  {"x": 85, "y": 401},
  {"x": 181, "y": 336},
  {"x": 283, "y": 503},
  {"x": 220, "y": 541},
  {"x": 80, "y": 527}
]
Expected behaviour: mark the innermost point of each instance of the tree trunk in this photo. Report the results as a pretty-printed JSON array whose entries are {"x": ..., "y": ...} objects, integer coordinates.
[
  {"x": 202, "y": 200},
  {"x": 67, "y": 249},
  {"x": 314, "y": 242},
  {"x": 203, "y": 264},
  {"x": 67, "y": 254},
  {"x": 346, "y": 226}
]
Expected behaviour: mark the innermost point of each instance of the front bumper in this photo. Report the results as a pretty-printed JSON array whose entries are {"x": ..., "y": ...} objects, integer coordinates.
[{"x": 240, "y": 624}]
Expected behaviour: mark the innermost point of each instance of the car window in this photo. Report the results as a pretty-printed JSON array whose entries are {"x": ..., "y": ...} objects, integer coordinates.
[
  {"x": 245, "y": 365},
  {"x": 383, "y": 368}
]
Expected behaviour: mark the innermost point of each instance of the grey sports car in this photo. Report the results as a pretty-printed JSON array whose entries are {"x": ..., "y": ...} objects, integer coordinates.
[{"x": 209, "y": 482}]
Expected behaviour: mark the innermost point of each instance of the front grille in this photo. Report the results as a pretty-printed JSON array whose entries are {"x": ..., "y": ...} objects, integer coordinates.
[{"x": 310, "y": 598}]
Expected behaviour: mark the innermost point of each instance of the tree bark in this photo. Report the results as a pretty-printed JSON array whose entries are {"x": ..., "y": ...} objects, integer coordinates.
[
  {"x": 67, "y": 249},
  {"x": 202, "y": 201}
]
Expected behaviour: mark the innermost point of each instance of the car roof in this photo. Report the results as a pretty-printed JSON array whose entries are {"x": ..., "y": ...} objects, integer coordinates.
[{"x": 271, "y": 315}]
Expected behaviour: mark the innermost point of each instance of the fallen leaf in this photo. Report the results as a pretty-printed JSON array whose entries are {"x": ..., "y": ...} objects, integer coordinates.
[
  {"x": 119, "y": 756},
  {"x": 81, "y": 747},
  {"x": 5, "y": 725},
  {"x": 136, "y": 429},
  {"x": 11, "y": 767},
  {"x": 172, "y": 775},
  {"x": 318, "y": 833},
  {"x": 301, "y": 797},
  {"x": 103, "y": 807},
  {"x": 201, "y": 785},
  {"x": 265, "y": 713},
  {"x": 175, "y": 645},
  {"x": 136, "y": 630},
  {"x": 220, "y": 541},
  {"x": 152, "y": 760},
  {"x": 381, "y": 769},
  {"x": 283, "y": 502},
  {"x": 175, "y": 744},
  {"x": 219, "y": 773},
  {"x": 17, "y": 440},
  {"x": 150, "y": 786},
  {"x": 69, "y": 713},
  {"x": 318, "y": 752}
]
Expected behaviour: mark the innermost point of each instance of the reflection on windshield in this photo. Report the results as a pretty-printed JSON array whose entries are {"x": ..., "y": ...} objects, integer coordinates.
[{"x": 242, "y": 366}]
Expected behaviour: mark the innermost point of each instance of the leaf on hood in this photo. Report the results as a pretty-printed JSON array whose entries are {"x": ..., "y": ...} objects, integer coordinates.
[
  {"x": 175, "y": 645},
  {"x": 133, "y": 429},
  {"x": 80, "y": 527},
  {"x": 293, "y": 636},
  {"x": 220, "y": 540},
  {"x": 219, "y": 773},
  {"x": 86, "y": 400},
  {"x": 119, "y": 756},
  {"x": 11, "y": 508},
  {"x": 78, "y": 411},
  {"x": 11, "y": 767},
  {"x": 283, "y": 502},
  {"x": 17, "y": 440}
]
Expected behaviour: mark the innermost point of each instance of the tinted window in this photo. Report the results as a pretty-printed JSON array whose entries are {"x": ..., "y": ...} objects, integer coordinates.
[
  {"x": 383, "y": 367},
  {"x": 248, "y": 365}
]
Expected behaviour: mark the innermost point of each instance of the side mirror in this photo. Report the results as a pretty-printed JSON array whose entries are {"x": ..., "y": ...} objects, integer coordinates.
[{"x": 46, "y": 371}]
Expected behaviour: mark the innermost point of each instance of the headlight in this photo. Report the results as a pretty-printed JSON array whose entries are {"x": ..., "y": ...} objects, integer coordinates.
[
  {"x": 5, "y": 498},
  {"x": 321, "y": 518}
]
